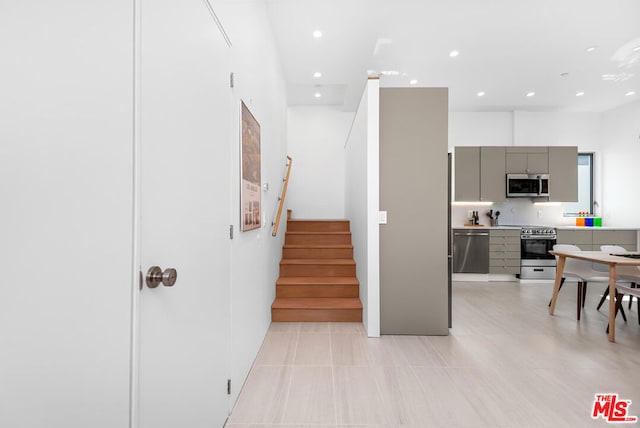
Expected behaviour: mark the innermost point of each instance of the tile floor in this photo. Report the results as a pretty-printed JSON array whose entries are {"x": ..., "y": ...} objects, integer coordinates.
[{"x": 506, "y": 363}]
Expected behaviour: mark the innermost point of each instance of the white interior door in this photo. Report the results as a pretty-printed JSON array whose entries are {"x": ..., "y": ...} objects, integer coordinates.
[
  {"x": 66, "y": 162},
  {"x": 184, "y": 199}
]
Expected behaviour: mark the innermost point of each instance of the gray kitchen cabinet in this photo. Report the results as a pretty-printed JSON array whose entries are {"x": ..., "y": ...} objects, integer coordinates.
[
  {"x": 563, "y": 174},
  {"x": 538, "y": 163},
  {"x": 580, "y": 238},
  {"x": 527, "y": 160},
  {"x": 504, "y": 251},
  {"x": 516, "y": 163},
  {"x": 592, "y": 239},
  {"x": 467, "y": 174},
  {"x": 492, "y": 174},
  {"x": 624, "y": 238},
  {"x": 480, "y": 171}
]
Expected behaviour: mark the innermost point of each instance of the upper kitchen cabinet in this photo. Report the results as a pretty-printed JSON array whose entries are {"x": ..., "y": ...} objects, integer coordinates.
[
  {"x": 467, "y": 174},
  {"x": 480, "y": 174},
  {"x": 563, "y": 174},
  {"x": 492, "y": 174},
  {"x": 527, "y": 160}
]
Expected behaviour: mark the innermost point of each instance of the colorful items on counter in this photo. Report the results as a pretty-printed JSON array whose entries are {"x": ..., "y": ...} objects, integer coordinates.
[{"x": 586, "y": 220}]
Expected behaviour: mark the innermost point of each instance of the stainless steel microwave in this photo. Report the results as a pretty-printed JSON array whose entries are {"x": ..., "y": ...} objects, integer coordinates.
[{"x": 527, "y": 185}]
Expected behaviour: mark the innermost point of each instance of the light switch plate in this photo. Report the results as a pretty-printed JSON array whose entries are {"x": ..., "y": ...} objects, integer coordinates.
[{"x": 382, "y": 217}]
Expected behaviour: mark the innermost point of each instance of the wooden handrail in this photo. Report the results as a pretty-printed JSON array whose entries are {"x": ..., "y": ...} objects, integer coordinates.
[{"x": 285, "y": 183}]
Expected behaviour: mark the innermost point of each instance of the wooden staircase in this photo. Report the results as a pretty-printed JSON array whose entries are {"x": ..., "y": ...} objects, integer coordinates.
[{"x": 317, "y": 274}]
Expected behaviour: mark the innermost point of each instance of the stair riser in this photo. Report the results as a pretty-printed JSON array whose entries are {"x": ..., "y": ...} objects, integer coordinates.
[
  {"x": 318, "y": 226},
  {"x": 317, "y": 270},
  {"x": 317, "y": 284},
  {"x": 317, "y": 253},
  {"x": 320, "y": 239},
  {"x": 316, "y": 315},
  {"x": 292, "y": 291}
]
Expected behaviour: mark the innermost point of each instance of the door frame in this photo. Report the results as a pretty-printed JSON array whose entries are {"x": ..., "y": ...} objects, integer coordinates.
[{"x": 136, "y": 268}]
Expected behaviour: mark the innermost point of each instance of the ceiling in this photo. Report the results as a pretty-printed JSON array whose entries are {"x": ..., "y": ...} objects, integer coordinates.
[{"x": 507, "y": 48}]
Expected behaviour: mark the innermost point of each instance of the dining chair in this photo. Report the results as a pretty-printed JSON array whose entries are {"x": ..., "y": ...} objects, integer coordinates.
[
  {"x": 630, "y": 274},
  {"x": 579, "y": 271},
  {"x": 621, "y": 290}
]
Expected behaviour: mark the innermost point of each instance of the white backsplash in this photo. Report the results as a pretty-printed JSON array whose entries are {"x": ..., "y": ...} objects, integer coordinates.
[{"x": 513, "y": 212}]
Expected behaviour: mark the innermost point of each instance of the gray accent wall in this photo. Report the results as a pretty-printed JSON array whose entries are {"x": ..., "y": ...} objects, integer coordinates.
[{"x": 413, "y": 191}]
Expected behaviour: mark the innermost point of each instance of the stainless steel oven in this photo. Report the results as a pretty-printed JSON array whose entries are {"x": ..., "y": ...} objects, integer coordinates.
[{"x": 535, "y": 260}]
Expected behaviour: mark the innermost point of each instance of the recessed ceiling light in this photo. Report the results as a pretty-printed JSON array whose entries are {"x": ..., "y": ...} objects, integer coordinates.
[
  {"x": 317, "y": 95},
  {"x": 454, "y": 54},
  {"x": 481, "y": 94},
  {"x": 317, "y": 34},
  {"x": 579, "y": 94},
  {"x": 628, "y": 94},
  {"x": 317, "y": 74},
  {"x": 413, "y": 81},
  {"x": 591, "y": 49},
  {"x": 530, "y": 94}
]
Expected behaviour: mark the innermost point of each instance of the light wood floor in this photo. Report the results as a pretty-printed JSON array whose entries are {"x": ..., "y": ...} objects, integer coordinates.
[{"x": 506, "y": 363}]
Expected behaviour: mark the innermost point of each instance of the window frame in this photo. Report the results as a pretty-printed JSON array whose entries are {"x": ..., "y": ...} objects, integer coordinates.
[{"x": 591, "y": 156}]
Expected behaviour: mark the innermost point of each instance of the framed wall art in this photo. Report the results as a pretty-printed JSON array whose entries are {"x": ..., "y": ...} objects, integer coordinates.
[{"x": 250, "y": 194}]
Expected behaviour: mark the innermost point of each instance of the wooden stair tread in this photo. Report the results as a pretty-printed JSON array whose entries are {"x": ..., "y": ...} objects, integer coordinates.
[
  {"x": 320, "y": 220},
  {"x": 317, "y": 303},
  {"x": 309, "y": 246},
  {"x": 304, "y": 232},
  {"x": 318, "y": 280},
  {"x": 347, "y": 262}
]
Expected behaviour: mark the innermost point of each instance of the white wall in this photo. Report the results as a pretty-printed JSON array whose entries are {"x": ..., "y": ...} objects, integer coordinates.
[
  {"x": 521, "y": 128},
  {"x": 66, "y": 166},
  {"x": 620, "y": 160},
  {"x": 513, "y": 212},
  {"x": 315, "y": 139},
  {"x": 255, "y": 254},
  {"x": 480, "y": 129},
  {"x": 362, "y": 202},
  {"x": 557, "y": 129},
  {"x": 67, "y": 157}
]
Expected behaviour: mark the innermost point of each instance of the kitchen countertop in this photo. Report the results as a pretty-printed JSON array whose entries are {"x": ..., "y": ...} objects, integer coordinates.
[
  {"x": 487, "y": 227},
  {"x": 595, "y": 228},
  {"x": 557, "y": 227}
]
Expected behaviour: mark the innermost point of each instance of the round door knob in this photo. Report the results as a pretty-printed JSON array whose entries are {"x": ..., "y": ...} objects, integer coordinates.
[
  {"x": 169, "y": 277},
  {"x": 154, "y": 276}
]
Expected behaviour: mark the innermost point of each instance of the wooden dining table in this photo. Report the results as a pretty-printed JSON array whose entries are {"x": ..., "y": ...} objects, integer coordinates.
[{"x": 598, "y": 257}]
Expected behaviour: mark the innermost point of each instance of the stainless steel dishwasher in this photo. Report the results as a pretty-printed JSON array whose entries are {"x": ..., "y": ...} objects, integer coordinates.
[{"x": 470, "y": 251}]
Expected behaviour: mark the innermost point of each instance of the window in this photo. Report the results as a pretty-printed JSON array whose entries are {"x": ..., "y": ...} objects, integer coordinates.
[{"x": 585, "y": 187}]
